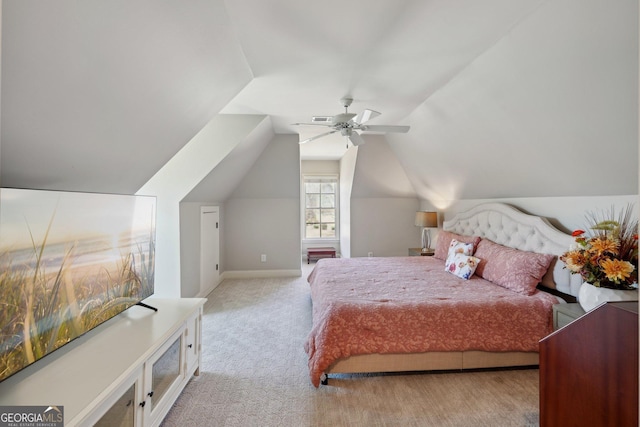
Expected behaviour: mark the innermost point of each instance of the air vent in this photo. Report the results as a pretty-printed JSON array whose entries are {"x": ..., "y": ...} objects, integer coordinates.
[{"x": 321, "y": 119}]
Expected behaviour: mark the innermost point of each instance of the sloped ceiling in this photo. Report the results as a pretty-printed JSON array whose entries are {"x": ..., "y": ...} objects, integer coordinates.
[
  {"x": 550, "y": 110},
  {"x": 98, "y": 95},
  {"x": 389, "y": 56},
  {"x": 378, "y": 172},
  {"x": 504, "y": 97},
  {"x": 218, "y": 185}
]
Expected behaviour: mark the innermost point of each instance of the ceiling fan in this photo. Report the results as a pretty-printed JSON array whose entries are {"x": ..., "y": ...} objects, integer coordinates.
[{"x": 348, "y": 124}]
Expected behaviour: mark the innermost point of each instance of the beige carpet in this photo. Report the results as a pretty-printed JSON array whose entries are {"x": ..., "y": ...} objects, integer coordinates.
[{"x": 254, "y": 373}]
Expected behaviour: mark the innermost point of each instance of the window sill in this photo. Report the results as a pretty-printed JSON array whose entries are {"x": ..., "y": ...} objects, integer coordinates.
[{"x": 320, "y": 241}]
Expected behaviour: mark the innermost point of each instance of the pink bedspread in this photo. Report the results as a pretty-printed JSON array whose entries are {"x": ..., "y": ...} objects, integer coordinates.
[{"x": 411, "y": 305}]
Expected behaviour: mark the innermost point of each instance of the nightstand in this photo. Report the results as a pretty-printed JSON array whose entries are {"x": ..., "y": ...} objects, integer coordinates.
[
  {"x": 418, "y": 252},
  {"x": 563, "y": 314}
]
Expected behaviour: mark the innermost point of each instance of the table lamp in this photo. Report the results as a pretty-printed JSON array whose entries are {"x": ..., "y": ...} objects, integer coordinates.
[{"x": 426, "y": 220}]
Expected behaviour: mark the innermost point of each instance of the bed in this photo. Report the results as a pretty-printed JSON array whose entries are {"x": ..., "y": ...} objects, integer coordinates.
[{"x": 401, "y": 314}]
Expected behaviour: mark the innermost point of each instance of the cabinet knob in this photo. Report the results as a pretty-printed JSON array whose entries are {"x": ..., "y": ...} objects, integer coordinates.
[
  {"x": 150, "y": 394},
  {"x": 143, "y": 403},
  {"x": 190, "y": 346}
]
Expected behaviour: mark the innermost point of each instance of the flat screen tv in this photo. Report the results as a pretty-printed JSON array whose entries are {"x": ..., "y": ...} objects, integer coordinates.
[{"x": 69, "y": 261}]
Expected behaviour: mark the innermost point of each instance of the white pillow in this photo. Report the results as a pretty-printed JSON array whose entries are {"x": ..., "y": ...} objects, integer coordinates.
[
  {"x": 456, "y": 247},
  {"x": 462, "y": 266}
]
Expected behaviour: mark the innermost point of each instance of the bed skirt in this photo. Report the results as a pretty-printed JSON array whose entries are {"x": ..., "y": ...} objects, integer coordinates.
[{"x": 432, "y": 361}]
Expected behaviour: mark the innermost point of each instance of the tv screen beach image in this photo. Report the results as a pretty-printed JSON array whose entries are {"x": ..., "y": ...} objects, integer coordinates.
[{"x": 68, "y": 262}]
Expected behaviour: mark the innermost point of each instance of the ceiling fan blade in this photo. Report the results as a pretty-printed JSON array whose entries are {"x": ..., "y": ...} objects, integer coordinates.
[
  {"x": 365, "y": 116},
  {"x": 356, "y": 139},
  {"x": 313, "y": 138},
  {"x": 384, "y": 128}
]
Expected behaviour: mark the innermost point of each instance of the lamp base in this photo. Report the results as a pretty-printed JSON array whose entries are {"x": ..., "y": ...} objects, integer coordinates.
[{"x": 426, "y": 240}]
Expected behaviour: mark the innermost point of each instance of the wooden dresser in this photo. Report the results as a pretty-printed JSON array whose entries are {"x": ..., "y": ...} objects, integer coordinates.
[{"x": 589, "y": 370}]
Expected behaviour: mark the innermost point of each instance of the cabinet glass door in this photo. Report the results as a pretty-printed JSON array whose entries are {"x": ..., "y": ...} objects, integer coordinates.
[
  {"x": 122, "y": 413},
  {"x": 165, "y": 372}
]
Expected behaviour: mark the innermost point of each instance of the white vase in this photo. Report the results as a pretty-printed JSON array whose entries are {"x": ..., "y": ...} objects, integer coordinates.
[{"x": 590, "y": 296}]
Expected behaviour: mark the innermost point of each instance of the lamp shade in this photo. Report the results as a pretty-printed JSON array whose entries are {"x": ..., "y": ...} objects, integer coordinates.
[{"x": 426, "y": 219}]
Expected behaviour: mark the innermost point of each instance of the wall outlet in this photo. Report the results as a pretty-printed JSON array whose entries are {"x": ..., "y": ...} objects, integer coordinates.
[
  {"x": 370, "y": 254},
  {"x": 263, "y": 258}
]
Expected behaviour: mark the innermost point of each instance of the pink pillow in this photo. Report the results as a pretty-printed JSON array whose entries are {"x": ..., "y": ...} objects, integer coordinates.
[
  {"x": 520, "y": 271},
  {"x": 444, "y": 240}
]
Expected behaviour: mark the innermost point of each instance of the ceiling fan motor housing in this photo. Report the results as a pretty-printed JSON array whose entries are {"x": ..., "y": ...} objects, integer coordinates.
[
  {"x": 346, "y": 101},
  {"x": 342, "y": 118},
  {"x": 348, "y": 124}
]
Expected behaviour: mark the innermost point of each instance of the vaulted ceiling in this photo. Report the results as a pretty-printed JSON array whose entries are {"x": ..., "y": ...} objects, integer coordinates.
[{"x": 505, "y": 98}]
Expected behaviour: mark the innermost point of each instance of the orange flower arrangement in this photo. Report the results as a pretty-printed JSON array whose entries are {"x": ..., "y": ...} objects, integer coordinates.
[{"x": 608, "y": 258}]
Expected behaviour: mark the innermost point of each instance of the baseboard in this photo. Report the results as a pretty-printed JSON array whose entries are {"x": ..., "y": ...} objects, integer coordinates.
[
  {"x": 259, "y": 274},
  {"x": 203, "y": 294}
]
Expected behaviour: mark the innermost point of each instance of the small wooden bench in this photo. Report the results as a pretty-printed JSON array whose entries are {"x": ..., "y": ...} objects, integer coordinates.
[{"x": 318, "y": 253}]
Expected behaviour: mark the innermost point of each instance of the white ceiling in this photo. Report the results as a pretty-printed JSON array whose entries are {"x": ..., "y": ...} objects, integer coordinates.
[
  {"x": 504, "y": 97},
  {"x": 389, "y": 56}
]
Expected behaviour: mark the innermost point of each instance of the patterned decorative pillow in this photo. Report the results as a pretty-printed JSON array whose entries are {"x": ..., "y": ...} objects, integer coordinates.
[
  {"x": 456, "y": 247},
  {"x": 520, "y": 271},
  {"x": 444, "y": 241},
  {"x": 462, "y": 266}
]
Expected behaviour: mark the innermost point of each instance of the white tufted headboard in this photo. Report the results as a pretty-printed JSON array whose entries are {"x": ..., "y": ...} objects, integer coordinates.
[{"x": 508, "y": 226}]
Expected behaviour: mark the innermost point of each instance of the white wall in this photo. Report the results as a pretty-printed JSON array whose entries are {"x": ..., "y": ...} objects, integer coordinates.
[
  {"x": 320, "y": 167},
  {"x": 262, "y": 216},
  {"x": 565, "y": 213},
  {"x": 383, "y": 203},
  {"x": 181, "y": 175},
  {"x": 256, "y": 226},
  {"x": 347, "y": 170},
  {"x": 190, "y": 248},
  {"x": 384, "y": 226}
]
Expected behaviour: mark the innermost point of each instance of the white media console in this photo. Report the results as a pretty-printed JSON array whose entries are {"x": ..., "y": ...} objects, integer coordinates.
[{"x": 126, "y": 372}]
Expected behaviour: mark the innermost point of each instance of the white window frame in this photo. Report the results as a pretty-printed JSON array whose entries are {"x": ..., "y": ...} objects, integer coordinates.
[{"x": 303, "y": 198}]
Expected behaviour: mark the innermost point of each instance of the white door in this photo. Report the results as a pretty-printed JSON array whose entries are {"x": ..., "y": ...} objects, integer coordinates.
[{"x": 209, "y": 248}]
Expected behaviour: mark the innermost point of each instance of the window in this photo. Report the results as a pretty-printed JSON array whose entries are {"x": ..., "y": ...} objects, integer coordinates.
[{"x": 320, "y": 207}]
